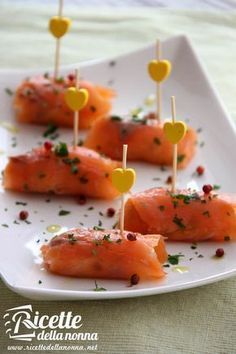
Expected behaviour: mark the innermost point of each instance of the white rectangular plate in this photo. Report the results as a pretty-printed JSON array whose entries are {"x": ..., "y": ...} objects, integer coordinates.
[{"x": 197, "y": 103}]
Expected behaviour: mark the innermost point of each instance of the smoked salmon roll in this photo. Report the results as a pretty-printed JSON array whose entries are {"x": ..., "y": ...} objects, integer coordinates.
[
  {"x": 61, "y": 170},
  {"x": 89, "y": 253},
  {"x": 184, "y": 216},
  {"x": 40, "y": 100},
  {"x": 144, "y": 137}
]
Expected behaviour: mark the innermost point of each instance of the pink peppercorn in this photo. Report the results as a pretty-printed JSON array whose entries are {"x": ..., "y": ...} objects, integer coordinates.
[
  {"x": 23, "y": 215},
  {"x": 111, "y": 212},
  {"x": 131, "y": 237},
  {"x": 71, "y": 77},
  {"x": 207, "y": 188},
  {"x": 220, "y": 252},
  {"x": 48, "y": 145},
  {"x": 82, "y": 199},
  {"x": 134, "y": 279},
  {"x": 200, "y": 170}
]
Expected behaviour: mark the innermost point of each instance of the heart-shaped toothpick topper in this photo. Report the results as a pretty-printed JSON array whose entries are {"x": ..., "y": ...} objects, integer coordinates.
[
  {"x": 159, "y": 70},
  {"x": 75, "y": 98},
  {"x": 175, "y": 131},
  {"x": 123, "y": 179},
  {"x": 59, "y": 26}
]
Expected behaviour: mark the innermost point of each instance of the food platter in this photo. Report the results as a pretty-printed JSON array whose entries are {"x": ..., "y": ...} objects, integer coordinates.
[{"x": 198, "y": 104}]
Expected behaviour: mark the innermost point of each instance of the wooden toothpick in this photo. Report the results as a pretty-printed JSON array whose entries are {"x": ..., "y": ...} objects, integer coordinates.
[
  {"x": 122, "y": 214},
  {"x": 58, "y": 44},
  {"x": 175, "y": 147},
  {"x": 76, "y": 113},
  {"x": 158, "y": 88}
]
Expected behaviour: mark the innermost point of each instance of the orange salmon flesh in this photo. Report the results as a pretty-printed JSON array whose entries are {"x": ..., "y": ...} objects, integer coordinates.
[
  {"x": 87, "y": 253},
  {"x": 146, "y": 142},
  {"x": 40, "y": 100},
  {"x": 185, "y": 216},
  {"x": 81, "y": 172}
]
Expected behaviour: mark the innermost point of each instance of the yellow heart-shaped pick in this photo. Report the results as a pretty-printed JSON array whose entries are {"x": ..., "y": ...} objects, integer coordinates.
[
  {"x": 159, "y": 70},
  {"x": 75, "y": 98},
  {"x": 59, "y": 26},
  {"x": 122, "y": 179},
  {"x": 175, "y": 132}
]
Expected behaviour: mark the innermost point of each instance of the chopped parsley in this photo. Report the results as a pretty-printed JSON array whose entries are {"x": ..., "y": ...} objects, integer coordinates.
[
  {"x": 93, "y": 109},
  {"x": 98, "y": 228},
  {"x": 174, "y": 258},
  {"x": 179, "y": 222},
  {"x": 59, "y": 80},
  {"x": 63, "y": 212},
  {"x": 5, "y": 225},
  {"x": 83, "y": 180},
  {"x": 107, "y": 238},
  {"x": 9, "y": 91},
  {"x": 216, "y": 187},
  {"x": 157, "y": 141},
  {"x": 73, "y": 164},
  {"x": 21, "y": 203},
  {"x": 98, "y": 288},
  {"x": 71, "y": 239},
  {"x": 180, "y": 158},
  {"x": 162, "y": 207},
  {"x": 206, "y": 213},
  {"x": 186, "y": 197},
  {"x": 51, "y": 128},
  {"x": 117, "y": 118},
  {"x": 61, "y": 149},
  {"x": 227, "y": 238}
]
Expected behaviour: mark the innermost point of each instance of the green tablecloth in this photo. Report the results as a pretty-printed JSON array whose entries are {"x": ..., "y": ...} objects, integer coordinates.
[{"x": 195, "y": 321}]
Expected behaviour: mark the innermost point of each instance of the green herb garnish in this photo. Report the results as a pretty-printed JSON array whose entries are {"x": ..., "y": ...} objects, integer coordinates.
[
  {"x": 174, "y": 258},
  {"x": 157, "y": 141},
  {"x": 51, "y": 128},
  {"x": 186, "y": 197},
  {"x": 98, "y": 228},
  {"x": 216, "y": 187},
  {"x": 117, "y": 118},
  {"x": 179, "y": 222},
  {"x": 162, "y": 207},
  {"x": 206, "y": 213},
  {"x": 180, "y": 158},
  {"x": 71, "y": 239},
  {"x": 107, "y": 238},
  {"x": 9, "y": 91},
  {"x": 98, "y": 288},
  {"x": 63, "y": 212},
  {"x": 61, "y": 149}
]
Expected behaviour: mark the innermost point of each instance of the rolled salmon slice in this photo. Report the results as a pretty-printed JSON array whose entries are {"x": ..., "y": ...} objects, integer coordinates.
[
  {"x": 62, "y": 170},
  {"x": 88, "y": 253},
  {"x": 184, "y": 216},
  {"x": 40, "y": 100},
  {"x": 145, "y": 139}
]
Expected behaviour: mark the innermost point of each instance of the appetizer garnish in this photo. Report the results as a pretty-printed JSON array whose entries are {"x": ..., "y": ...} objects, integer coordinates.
[
  {"x": 40, "y": 100},
  {"x": 62, "y": 170},
  {"x": 89, "y": 253},
  {"x": 186, "y": 215}
]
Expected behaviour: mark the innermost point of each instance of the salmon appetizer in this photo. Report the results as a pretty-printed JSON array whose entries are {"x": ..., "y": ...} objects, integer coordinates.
[
  {"x": 90, "y": 253},
  {"x": 184, "y": 216},
  {"x": 40, "y": 100},
  {"x": 144, "y": 137},
  {"x": 61, "y": 169}
]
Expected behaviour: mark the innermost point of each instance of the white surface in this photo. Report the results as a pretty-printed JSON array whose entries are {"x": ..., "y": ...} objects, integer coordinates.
[{"x": 20, "y": 265}]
